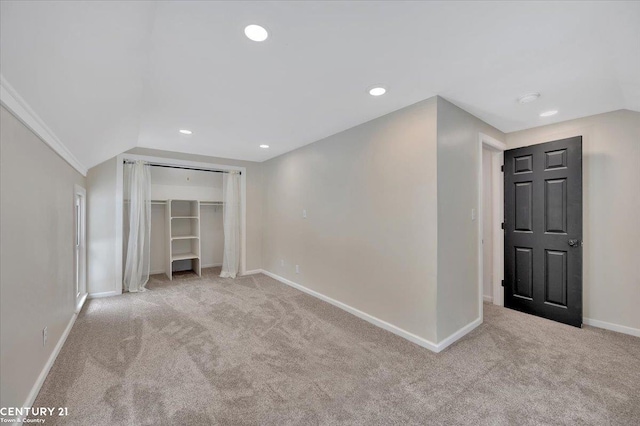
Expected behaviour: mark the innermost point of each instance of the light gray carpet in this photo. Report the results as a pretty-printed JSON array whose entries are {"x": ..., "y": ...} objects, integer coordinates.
[{"x": 254, "y": 351}]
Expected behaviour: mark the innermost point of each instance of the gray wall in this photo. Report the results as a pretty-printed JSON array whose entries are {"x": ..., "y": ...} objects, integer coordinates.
[
  {"x": 459, "y": 159},
  {"x": 36, "y": 260},
  {"x": 101, "y": 228},
  {"x": 370, "y": 236},
  {"x": 611, "y": 207}
]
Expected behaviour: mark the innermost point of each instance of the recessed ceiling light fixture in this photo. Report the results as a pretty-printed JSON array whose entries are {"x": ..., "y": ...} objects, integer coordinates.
[
  {"x": 256, "y": 32},
  {"x": 549, "y": 113},
  {"x": 377, "y": 91},
  {"x": 185, "y": 131},
  {"x": 529, "y": 97},
  {"x": 263, "y": 146}
]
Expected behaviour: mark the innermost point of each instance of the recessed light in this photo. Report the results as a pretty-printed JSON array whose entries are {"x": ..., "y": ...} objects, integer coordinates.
[
  {"x": 529, "y": 97},
  {"x": 549, "y": 113},
  {"x": 256, "y": 32},
  {"x": 377, "y": 91},
  {"x": 263, "y": 146},
  {"x": 185, "y": 132}
]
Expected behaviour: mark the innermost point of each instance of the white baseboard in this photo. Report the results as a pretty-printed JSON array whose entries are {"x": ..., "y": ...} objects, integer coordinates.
[
  {"x": 487, "y": 298},
  {"x": 459, "y": 334},
  {"x": 380, "y": 323},
  {"x": 45, "y": 370},
  {"x": 613, "y": 327},
  {"x": 104, "y": 294},
  {"x": 80, "y": 304},
  {"x": 252, "y": 272}
]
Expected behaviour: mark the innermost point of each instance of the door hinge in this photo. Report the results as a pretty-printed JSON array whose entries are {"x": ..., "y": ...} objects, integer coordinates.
[
  {"x": 502, "y": 283},
  {"x": 502, "y": 225},
  {"x": 502, "y": 168}
]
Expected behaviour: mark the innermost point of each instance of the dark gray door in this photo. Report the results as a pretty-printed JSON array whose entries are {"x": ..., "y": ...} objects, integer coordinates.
[{"x": 543, "y": 230}]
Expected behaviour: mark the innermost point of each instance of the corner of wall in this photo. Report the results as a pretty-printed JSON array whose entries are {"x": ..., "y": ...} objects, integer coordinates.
[{"x": 458, "y": 303}]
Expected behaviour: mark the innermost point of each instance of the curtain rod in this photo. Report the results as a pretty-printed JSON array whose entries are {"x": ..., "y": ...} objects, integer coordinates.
[{"x": 181, "y": 167}]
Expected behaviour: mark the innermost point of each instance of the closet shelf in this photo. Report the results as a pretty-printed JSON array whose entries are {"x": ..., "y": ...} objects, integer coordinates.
[
  {"x": 182, "y": 235},
  {"x": 184, "y": 256}
]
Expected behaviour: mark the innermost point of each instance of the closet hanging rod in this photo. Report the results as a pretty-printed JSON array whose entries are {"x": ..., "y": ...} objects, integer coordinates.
[{"x": 168, "y": 166}]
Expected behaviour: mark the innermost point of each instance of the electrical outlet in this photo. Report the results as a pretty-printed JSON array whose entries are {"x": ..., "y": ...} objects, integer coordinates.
[
  {"x": 297, "y": 269},
  {"x": 44, "y": 336},
  {"x": 304, "y": 213},
  {"x": 473, "y": 214},
  {"x": 282, "y": 262}
]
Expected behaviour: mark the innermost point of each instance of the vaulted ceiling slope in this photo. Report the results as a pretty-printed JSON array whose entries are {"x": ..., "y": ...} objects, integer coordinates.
[{"x": 108, "y": 76}]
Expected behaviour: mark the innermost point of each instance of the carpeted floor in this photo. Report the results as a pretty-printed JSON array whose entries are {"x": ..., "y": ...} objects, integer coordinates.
[{"x": 253, "y": 351}]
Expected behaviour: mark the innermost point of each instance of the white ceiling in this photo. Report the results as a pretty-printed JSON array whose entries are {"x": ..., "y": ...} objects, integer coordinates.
[{"x": 108, "y": 76}]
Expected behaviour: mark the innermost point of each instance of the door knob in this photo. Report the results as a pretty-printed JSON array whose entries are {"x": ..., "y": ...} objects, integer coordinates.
[{"x": 574, "y": 243}]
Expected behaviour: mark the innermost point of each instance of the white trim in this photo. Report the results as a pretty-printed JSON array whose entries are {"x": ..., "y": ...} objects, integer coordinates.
[
  {"x": 378, "y": 322},
  {"x": 104, "y": 294},
  {"x": 119, "y": 224},
  {"x": 82, "y": 295},
  {"x": 173, "y": 162},
  {"x": 493, "y": 143},
  {"x": 45, "y": 370},
  {"x": 497, "y": 148},
  {"x": 253, "y": 272},
  {"x": 497, "y": 160},
  {"x": 459, "y": 334},
  {"x": 613, "y": 327},
  {"x": 362, "y": 315},
  {"x": 80, "y": 303},
  {"x": 486, "y": 298},
  {"x": 10, "y": 98}
]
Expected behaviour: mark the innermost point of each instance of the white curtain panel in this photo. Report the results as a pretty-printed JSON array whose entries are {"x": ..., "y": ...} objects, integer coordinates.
[
  {"x": 138, "y": 187},
  {"x": 231, "y": 223}
]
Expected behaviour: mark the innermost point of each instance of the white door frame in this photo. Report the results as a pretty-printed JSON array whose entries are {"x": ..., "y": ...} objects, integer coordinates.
[
  {"x": 182, "y": 163},
  {"x": 80, "y": 250},
  {"x": 497, "y": 149}
]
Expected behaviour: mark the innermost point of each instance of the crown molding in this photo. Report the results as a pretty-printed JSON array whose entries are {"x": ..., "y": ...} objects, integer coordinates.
[{"x": 11, "y": 100}]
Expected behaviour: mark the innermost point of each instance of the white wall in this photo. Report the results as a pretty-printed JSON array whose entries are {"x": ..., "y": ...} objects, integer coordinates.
[
  {"x": 611, "y": 211},
  {"x": 459, "y": 156},
  {"x": 211, "y": 235},
  {"x": 36, "y": 255},
  {"x": 181, "y": 184},
  {"x": 158, "y": 241},
  {"x": 370, "y": 236},
  {"x": 487, "y": 225},
  {"x": 101, "y": 229}
]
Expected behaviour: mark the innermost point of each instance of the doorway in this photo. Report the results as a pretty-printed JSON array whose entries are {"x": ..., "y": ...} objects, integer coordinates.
[
  {"x": 80, "y": 246},
  {"x": 490, "y": 215}
]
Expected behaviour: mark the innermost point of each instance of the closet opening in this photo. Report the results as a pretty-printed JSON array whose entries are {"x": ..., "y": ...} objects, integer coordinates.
[{"x": 187, "y": 219}]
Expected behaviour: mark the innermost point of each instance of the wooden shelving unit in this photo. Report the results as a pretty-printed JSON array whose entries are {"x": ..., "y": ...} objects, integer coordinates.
[{"x": 183, "y": 233}]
